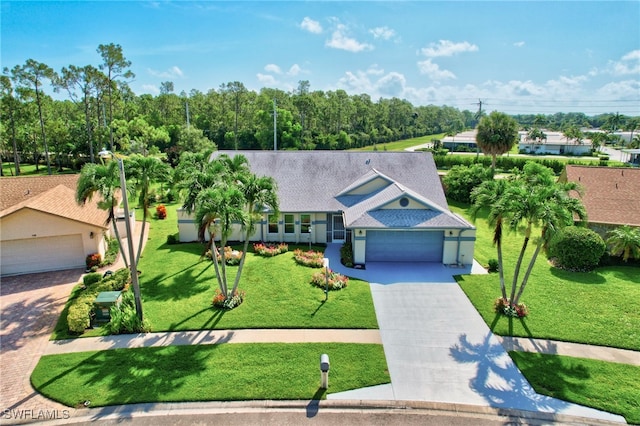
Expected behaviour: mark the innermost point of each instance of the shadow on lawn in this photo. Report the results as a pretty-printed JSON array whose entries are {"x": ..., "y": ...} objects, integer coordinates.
[
  {"x": 209, "y": 323},
  {"x": 185, "y": 283},
  {"x": 593, "y": 277}
]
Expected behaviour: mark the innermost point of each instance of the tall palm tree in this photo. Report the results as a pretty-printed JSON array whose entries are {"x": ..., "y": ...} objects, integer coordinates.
[
  {"x": 218, "y": 208},
  {"x": 259, "y": 193},
  {"x": 497, "y": 133},
  {"x": 145, "y": 171},
  {"x": 104, "y": 181},
  {"x": 537, "y": 200},
  {"x": 625, "y": 241},
  {"x": 489, "y": 195}
]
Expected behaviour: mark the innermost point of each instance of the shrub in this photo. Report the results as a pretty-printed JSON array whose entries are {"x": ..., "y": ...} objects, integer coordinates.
[
  {"x": 461, "y": 180},
  {"x": 493, "y": 265},
  {"x": 231, "y": 256},
  {"x": 270, "y": 250},
  {"x": 576, "y": 249},
  {"x": 504, "y": 307},
  {"x": 346, "y": 255},
  {"x": 336, "y": 281},
  {"x": 93, "y": 260},
  {"x": 222, "y": 302},
  {"x": 172, "y": 239},
  {"x": 161, "y": 212},
  {"x": 112, "y": 252},
  {"x": 124, "y": 318},
  {"x": 79, "y": 316},
  {"x": 311, "y": 258},
  {"x": 91, "y": 278}
]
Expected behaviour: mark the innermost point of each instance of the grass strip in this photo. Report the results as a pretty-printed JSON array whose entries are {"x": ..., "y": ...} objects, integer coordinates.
[
  {"x": 206, "y": 373},
  {"x": 602, "y": 385}
]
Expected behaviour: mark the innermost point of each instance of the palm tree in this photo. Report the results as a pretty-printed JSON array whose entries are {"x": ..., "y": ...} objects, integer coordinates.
[
  {"x": 489, "y": 194},
  {"x": 218, "y": 208},
  {"x": 535, "y": 198},
  {"x": 102, "y": 180},
  {"x": 145, "y": 171},
  {"x": 625, "y": 241},
  {"x": 259, "y": 193},
  {"x": 497, "y": 133}
]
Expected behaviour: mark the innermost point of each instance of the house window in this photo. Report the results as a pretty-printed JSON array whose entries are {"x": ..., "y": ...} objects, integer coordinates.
[
  {"x": 289, "y": 225},
  {"x": 273, "y": 224},
  {"x": 305, "y": 223}
]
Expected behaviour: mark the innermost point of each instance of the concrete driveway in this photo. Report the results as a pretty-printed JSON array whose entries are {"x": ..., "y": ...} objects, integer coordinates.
[{"x": 438, "y": 347}]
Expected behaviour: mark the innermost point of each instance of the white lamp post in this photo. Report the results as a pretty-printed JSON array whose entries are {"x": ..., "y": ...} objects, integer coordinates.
[
  {"x": 132, "y": 258},
  {"x": 325, "y": 263}
]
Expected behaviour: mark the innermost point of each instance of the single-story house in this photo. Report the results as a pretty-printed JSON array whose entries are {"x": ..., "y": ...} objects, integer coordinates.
[
  {"x": 631, "y": 156},
  {"x": 42, "y": 228},
  {"x": 390, "y": 206},
  {"x": 465, "y": 141},
  {"x": 610, "y": 195},
  {"x": 555, "y": 143}
]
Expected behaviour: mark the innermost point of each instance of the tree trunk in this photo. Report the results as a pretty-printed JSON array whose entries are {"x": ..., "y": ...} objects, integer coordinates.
[
  {"x": 525, "y": 279},
  {"x": 112, "y": 220},
  {"x": 44, "y": 137},
  {"x": 516, "y": 272},
  {"x": 141, "y": 239},
  {"x": 214, "y": 259},
  {"x": 503, "y": 288},
  {"x": 244, "y": 255}
]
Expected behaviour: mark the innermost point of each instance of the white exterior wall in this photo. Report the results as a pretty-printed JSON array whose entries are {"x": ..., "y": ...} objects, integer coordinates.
[
  {"x": 121, "y": 224},
  {"x": 459, "y": 246},
  {"x": 32, "y": 224},
  {"x": 359, "y": 245}
]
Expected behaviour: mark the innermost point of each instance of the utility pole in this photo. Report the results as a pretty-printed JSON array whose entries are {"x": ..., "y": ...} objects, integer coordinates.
[{"x": 275, "y": 126}]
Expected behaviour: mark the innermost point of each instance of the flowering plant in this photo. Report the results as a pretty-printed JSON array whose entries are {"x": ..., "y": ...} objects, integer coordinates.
[
  {"x": 231, "y": 256},
  {"x": 309, "y": 258},
  {"x": 504, "y": 306},
  {"x": 270, "y": 250},
  {"x": 233, "y": 301},
  {"x": 161, "y": 212},
  {"x": 93, "y": 260},
  {"x": 336, "y": 281}
]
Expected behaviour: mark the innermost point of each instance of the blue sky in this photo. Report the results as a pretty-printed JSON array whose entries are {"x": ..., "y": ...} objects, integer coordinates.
[{"x": 515, "y": 56}]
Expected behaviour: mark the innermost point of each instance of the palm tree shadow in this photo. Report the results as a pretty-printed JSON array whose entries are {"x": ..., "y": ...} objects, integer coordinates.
[
  {"x": 499, "y": 381},
  {"x": 313, "y": 314}
]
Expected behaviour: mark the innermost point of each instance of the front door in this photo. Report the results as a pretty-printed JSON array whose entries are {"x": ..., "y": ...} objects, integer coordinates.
[{"x": 338, "y": 229}]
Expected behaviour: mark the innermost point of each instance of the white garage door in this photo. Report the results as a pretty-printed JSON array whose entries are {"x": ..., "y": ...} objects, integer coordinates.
[
  {"x": 42, "y": 254},
  {"x": 404, "y": 246}
]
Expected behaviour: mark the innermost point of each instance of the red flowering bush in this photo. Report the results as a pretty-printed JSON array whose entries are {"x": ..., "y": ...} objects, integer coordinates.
[
  {"x": 161, "y": 212},
  {"x": 270, "y": 250},
  {"x": 504, "y": 307},
  {"x": 222, "y": 302},
  {"x": 93, "y": 260},
  {"x": 309, "y": 258},
  {"x": 336, "y": 281}
]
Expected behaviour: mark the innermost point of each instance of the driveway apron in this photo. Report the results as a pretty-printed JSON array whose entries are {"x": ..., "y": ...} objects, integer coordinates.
[{"x": 438, "y": 347}]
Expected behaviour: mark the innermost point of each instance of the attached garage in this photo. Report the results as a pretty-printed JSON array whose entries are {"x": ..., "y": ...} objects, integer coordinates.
[
  {"x": 404, "y": 246},
  {"x": 42, "y": 254}
]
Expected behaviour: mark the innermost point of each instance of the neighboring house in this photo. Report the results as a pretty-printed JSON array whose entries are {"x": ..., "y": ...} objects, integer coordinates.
[
  {"x": 390, "y": 206},
  {"x": 42, "y": 228},
  {"x": 465, "y": 141},
  {"x": 554, "y": 143},
  {"x": 610, "y": 195},
  {"x": 631, "y": 156}
]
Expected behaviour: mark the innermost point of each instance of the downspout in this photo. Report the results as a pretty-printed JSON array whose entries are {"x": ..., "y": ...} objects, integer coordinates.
[{"x": 458, "y": 249}]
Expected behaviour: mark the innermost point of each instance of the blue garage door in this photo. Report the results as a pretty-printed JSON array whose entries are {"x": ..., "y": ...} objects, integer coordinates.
[{"x": 404, "y": 246}]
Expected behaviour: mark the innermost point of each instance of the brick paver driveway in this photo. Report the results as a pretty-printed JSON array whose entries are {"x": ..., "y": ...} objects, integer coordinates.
[{"x": 29, "y": 308}]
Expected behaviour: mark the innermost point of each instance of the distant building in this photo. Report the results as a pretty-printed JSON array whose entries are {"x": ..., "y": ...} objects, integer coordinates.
[
  {"x": 465, "y": 141},
  {"x": 554, "y": 143}
]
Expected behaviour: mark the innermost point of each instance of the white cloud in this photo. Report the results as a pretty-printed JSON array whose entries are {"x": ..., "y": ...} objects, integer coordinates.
[
  {"x": 310, "y": 25},
  {"x": 433, "y": 71},
  {"x": 384, "y": 33},
  {"x": 392, "y": 84},
  {"x": 340, "y": 40},
  {"x": 150, "y": 88},
  {"x": 173, "y": 72},
  {"x": 447, "y": 48},
  {"x": 519, "y": 44},
  {"x": 629, "y": 64},
  {"x": 375, "y": 70},
  {"x": 266, "y": 79},
  {"x": 294, "y": 70},
  {"x": 625, "y": 90},
  {"x": 273, "y": 68},
  {"x": 634, "y": 54}
]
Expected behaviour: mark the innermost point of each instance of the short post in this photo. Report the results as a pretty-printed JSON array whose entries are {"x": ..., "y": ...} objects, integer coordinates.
[
  {"x": 325, "y": 263},
  {"x": 310, "y": 229},
  {"x": 324, "y": 371}
]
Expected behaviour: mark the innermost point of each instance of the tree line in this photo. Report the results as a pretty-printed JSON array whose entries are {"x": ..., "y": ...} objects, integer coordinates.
[{"x": 99, "y": 110}]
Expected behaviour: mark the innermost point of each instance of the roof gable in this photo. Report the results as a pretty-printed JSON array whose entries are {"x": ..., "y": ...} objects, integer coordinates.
[
  {"x": 371, "y": 181},
  {"x": 610, "y": 193},
  {"x": 14, "y": 190}
]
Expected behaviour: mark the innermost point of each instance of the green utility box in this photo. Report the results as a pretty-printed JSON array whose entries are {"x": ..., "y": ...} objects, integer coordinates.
[{"x": 103, "y": 304}]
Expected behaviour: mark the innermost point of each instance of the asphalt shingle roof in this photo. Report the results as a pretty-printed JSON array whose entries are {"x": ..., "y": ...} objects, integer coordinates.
[
  {"x": 321, "y": 181},
  {"x": 49, "y": 194},
  {"x": 610, "y": 193}
]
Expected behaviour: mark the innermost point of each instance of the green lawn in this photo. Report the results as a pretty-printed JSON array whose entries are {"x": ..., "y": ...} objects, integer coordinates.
[
  {"x": 400, "y": 145},
  {"x": 600, "y": 307},
  {"x": 207, "y": 373},
  {"x": 8, "y": 169},
  {"x": 602, "y": 385}
]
